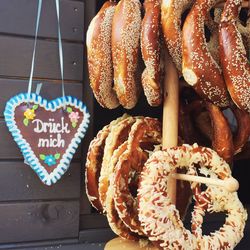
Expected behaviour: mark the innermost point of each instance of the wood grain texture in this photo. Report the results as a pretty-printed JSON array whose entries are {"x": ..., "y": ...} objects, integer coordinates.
[
  {"x": 96, "y": 235},
  {"x": 18, "y": 182},
  {"x": 16, "y": 56},
  {"x": 92, "y": 221},
  {"x": 34, "y": 221},
  {"x": 18, "y": 17}
]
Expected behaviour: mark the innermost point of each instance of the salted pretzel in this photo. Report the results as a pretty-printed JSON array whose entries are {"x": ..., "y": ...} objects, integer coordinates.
[
  {"x": 235, "y": 64},
  {"x": 150, "y": 48},
  {"x": 160, "y": 218},
  {"x": 126, "y": 30},
  {"x": 99, "y": 56},
  {"x": 198, "y": 67},
  {"x": 94, "y": 163},
  {"x": 117, "y": 135}
]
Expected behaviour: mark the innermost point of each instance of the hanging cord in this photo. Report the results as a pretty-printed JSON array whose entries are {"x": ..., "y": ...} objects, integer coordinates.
[
  {"x": 59, "y": 47},
  {"x": 34, "y": 49}
]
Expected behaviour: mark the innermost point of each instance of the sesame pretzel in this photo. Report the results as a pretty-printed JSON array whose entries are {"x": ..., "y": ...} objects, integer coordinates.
[
  {"x": 235, "y": 64},
  {"x": 198, "y": 67},
  {"x": 126, "y": 30},
  {"x": 171, "y": 12},
  {"x": 150, "y": 48},
  {"x": 99, "y": 56}
]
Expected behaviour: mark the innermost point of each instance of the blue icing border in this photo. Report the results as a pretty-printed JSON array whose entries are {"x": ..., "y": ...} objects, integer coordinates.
[{"x": 24, "y": 146}]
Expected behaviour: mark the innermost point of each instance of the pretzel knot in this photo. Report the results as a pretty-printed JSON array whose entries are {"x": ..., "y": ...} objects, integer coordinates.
[{"x": 161, "y": 220}]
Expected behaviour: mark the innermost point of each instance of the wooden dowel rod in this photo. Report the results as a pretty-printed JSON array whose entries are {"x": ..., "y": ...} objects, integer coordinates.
[
  {"x": 170, "y": 114},
  {"x": 231, "y": 184}
]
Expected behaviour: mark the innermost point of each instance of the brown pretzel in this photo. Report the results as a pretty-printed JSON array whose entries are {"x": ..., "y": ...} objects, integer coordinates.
[
  {"x": 210, "y": 121},
  {"x": 117, "y": 135},
  {"x": 115, "y": 223},
  {"x": 199, "y": 68},
  {"x": 144, "y": 134},
  {"x": 160, "y": 218},
  {"x": 243, "y": 129},
  {"x": 171, "y": 12},
  {"x": 99, "y": 56},
  {"x": 223, "y": 145},
  {"x": 222, "y": 141},
  {"x": 150, "y": 48},
  {"x": 126, "y": 30},
  {"x": 94, "y": 163},
  {"x": 235, "y": 65}
]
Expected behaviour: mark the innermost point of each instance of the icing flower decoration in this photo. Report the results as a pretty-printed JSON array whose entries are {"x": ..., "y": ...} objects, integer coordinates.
[
  {"x": 50, "y": 160},
  {"x": 29, "y": 114},
  {"x": 73, "y": 116}
]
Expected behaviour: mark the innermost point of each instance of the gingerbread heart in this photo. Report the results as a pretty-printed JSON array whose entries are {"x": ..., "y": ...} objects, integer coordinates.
[{"x": 47, "y": 132}]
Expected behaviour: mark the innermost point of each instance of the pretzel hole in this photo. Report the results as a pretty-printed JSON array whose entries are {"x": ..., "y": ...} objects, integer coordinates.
[
  {"x": 207, "y": 33},
  {"x": 213, "y": 222},
  {"x": 133, "y": 183},
  {"x": 188, "y": 216},
  {"x": 243, "y": 16}
]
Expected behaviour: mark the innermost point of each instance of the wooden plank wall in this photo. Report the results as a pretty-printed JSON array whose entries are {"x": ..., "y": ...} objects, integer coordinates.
[{"x": 29, "y": 210}]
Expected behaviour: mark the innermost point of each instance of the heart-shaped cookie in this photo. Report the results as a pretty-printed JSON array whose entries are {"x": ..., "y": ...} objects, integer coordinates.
[{"x": 47, "y": 132}]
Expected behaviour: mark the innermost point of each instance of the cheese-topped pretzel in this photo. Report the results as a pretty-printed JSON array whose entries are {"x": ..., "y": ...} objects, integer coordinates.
[
  {"x": 94, "y": 163},
  {"x": 99, "y": 56},
  {"x": 115, "y": 223},
  {"x": 217, "y": 199},
  {"x": 199, "y": 68},
  {"x": 150, "y": 48},
  {"x": 126, "y": 30},
  {"x": 143, "y": 136},
  {"x": 160, "y": 218},
  {"x": 235, "y": 64},
  {"x": 117, "y": 135}
]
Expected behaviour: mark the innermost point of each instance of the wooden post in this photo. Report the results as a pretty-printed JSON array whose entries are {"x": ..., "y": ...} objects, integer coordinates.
[{"x": 170, "y": 114}]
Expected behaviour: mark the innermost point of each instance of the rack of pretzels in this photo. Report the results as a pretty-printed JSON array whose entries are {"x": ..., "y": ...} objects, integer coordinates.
[{"x": 192, "y": 57}]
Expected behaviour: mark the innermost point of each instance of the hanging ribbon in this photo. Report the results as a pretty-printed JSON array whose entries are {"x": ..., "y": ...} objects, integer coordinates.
[
  {"x": 34, "y": 49},
  {"x": 59, "y": 47}
]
